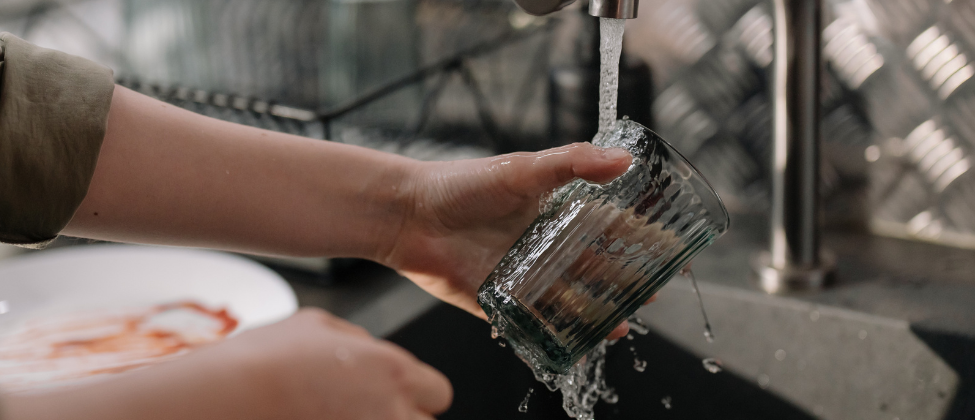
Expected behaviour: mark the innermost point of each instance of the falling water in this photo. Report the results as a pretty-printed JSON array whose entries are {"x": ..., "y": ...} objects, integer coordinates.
[
  {"x": 583, "y": 386},
  {"x": 712, "y": 365},
  {"x": 523, "y": 407},
  {"x": 708, "y": 334},
  {"x": 585, "y": 383},
  {"x": 610, "y": 48}
]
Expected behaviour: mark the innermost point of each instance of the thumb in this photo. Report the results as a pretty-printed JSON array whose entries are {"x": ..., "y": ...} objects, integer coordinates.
[{"x": 532, "y": 174}]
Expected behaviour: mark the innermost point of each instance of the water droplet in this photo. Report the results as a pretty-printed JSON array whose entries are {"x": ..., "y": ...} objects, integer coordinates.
[
  {"x": 639, "y": 365},
  {"x": 629, "y": 336},
  {"x": 708, "y": 333},
  {"x": 780, "y": 355},
  {"x": 763, "y": 381},
  {"x": 638, "y": 326},
  {"x": 814, "y": 316},
  {"x": 712, "y": 365},
  {"x": 862, "y": 334},
  {"x": 502, "y": 344},
  {"x": 583, "y": 386},
  {"x": 545, "y": 202},
  {"x": 666, "y": 401},
  {"x": 523, "y": 407}
]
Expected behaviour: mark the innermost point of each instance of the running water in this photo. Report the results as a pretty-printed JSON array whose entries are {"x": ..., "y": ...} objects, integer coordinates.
[
  {"x": 583, "y": 386},
  {"x": 712, "y": 365},
  {"x": 708, "y": 334},
  {"x": 610, "y": 48},
  {"x": 523, "y": 407},
  {"x": 585, "y": 383}
]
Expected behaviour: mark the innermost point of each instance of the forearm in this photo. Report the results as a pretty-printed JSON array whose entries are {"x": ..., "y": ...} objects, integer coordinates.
[{"x": 169, "y": 176}]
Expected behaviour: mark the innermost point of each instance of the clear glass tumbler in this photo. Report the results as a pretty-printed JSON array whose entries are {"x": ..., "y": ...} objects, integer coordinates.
[{"x": 596, "y": 253}]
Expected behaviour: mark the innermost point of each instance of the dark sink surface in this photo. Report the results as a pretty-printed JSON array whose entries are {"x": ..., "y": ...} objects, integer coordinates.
[{"x": 490, "y": 382}]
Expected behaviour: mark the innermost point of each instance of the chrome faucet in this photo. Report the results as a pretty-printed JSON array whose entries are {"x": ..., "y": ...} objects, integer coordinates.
[
  {"x": 796, "y": 260},
  {"x": 616, "y": 9}
]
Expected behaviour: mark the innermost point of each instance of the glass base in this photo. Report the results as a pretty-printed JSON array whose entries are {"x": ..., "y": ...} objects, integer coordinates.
[{"x": 528, "y": 336}]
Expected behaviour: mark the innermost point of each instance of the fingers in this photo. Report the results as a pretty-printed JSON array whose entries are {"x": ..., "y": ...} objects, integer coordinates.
[
  {"x": 651, "y": 300},
  {"x": 536, "y": 173},
  {"x": 317, "y": 315},
  {"x": 619, "y": 332},
  {"x": 432, "y": 392},
  {"x": 421, "y": 416}
]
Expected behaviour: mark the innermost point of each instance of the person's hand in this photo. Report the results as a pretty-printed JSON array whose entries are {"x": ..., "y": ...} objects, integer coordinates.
[
  {"x": 466, "y": 214},
  {"x": 311, "y": 366}
]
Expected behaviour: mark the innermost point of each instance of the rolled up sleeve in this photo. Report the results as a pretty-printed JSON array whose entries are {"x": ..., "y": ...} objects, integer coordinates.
[{"x": 53, "y": 115}]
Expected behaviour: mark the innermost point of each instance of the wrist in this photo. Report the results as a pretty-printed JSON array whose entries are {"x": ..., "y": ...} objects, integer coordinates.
[{"x": 396, "y": 191}]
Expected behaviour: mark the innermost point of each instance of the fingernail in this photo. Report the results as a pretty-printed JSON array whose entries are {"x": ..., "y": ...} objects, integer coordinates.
[{"x": 615, "y": 153}]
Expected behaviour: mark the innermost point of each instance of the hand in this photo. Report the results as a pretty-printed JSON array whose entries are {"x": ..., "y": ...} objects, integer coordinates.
[
  {"x": 466, "y": 214},
  {"x": 310, "y": 366}
]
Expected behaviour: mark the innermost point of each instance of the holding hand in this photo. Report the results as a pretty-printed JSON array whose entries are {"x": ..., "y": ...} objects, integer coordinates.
[{"x": 464, "y": 215}]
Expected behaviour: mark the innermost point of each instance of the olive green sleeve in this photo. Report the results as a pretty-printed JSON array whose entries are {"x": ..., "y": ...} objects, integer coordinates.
[{"x": 53, "y": 116}]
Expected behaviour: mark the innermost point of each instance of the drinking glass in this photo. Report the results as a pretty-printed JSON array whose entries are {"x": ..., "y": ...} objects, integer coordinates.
[{"x": 596, "y": 253}]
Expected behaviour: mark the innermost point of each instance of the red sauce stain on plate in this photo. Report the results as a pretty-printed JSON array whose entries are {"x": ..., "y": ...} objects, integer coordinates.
[{"x": 55, "y": 351}]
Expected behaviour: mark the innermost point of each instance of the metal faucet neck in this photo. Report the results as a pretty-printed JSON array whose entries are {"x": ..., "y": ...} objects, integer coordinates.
[{"x": 616, "y": 9}]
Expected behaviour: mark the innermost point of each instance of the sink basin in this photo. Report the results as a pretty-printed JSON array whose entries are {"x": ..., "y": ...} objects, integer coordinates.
[
  {"x": 490, "y": 382},
  {"x": 893, "y": 338},
  {"x": 831, "y": 362}
]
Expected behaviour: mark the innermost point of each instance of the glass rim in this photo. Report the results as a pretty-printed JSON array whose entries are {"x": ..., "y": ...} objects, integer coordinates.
[{"x": 697, "y": 172}]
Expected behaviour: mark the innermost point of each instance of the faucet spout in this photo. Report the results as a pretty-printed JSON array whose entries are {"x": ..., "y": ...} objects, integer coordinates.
[{"x": 616, "y": 9}]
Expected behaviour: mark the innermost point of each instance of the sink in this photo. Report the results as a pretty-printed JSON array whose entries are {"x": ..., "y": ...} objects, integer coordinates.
[
  {"x": 893, "y": 338},
  {"x": 490, "y": 382}
]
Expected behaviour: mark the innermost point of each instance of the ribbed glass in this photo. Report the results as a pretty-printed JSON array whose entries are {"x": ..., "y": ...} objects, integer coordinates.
[{"x": 597, "y": 252}]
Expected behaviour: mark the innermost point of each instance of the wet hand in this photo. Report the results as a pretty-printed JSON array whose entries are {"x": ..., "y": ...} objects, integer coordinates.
[{"x": 466, "y": 214}]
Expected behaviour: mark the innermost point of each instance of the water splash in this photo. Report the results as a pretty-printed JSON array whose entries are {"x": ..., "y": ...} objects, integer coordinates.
[
  {"x": 639, "y": 365},
  {"x": 583, "y": 386},
  {"x": 523, "y": 407},
  {"x": 712, "y": 365},
  {"x": 610, "y": 47},
  {"x": 546, "y": 202},
  {"x": 708, "y": 333},
  {"x": 666, "y": 402},
  {"x": 637, "y": 325}
]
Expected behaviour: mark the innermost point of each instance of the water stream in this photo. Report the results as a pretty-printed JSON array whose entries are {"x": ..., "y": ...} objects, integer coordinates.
[
  {"x": 708, "y": 333},
  {"x": 585, "y": 383},
  {"x": 610, "y": 48}
]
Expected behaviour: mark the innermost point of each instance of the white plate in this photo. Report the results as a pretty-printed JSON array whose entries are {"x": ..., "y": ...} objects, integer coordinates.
[
  {"x": 43, "y": 293},
  {"x": 97, "y": 277}
]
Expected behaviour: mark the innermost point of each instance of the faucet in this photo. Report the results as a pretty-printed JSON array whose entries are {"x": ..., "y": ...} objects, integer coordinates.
[
  {"x": 795, "y": 260},
  {"x": 616, "y": 9}
]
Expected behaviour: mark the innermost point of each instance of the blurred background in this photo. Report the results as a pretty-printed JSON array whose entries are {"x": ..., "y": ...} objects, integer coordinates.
[
  {"x": 447, "y": 79},
  {"x": 454, "y": 79}
]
